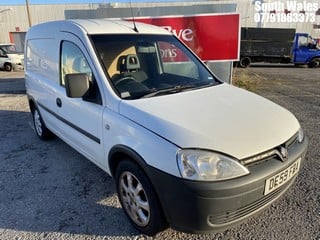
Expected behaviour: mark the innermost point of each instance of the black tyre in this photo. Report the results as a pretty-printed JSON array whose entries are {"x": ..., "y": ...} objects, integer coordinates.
[
  {"x": 39, "y": 126},
  {"x": 8, "y": 67},
  {"x": 138, "y": 199},
  {"x": 314, "y": 63},
  {"x": 245, "y": 62}
]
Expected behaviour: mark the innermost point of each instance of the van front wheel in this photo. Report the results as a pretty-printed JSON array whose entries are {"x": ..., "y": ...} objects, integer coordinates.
[
  {"x": 138, "y": 199},
  {"x": 8, "y": 67}
]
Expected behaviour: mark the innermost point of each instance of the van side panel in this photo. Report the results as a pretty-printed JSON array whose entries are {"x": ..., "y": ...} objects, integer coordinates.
[
  {"x": 43, "y": 58},
  {"x": 42, "y": 75}
]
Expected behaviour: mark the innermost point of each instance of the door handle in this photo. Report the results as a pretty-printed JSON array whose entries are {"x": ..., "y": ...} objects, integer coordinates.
[{"x": 58, "y": 102}]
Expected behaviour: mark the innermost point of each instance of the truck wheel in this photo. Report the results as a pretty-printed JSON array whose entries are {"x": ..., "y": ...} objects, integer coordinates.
[
  {"x": 40, "y": 128},
  {"x": 314, "y": 63},
  {"x": 8, "y": 67},
  {"x": 245, "y": 62},
  {"x": 138, "y": 199}
]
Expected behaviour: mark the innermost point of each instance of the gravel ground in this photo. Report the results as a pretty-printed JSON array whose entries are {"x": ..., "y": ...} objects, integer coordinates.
[{"x": 49, "y": 191}]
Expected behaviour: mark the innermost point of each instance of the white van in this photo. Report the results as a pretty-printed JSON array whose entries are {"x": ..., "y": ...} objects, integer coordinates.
[
  {"x": 185, "y": 149},
  {"x": 10, "y": 59}
]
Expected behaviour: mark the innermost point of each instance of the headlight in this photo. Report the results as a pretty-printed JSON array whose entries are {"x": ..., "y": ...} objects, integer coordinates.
[
  {"x": 203, "y": 165},
  {"x": 300, "y": 135}
]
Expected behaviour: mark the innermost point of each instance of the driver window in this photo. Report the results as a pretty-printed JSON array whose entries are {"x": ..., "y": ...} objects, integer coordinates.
[
  {"x": 73, "y": 61},
  {"x": 2, "y": 54},
  {"x": 303, "y": 42}
]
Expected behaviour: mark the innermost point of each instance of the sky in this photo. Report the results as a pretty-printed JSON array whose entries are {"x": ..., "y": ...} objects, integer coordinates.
[{"x": 14, "y": 2}]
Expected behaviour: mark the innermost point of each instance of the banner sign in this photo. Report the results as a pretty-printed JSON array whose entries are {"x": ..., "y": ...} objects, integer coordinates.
[{"x": 214, "y": 37}]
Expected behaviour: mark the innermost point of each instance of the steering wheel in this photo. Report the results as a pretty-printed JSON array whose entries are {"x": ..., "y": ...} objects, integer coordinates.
[{"x": 124, "y": 80}]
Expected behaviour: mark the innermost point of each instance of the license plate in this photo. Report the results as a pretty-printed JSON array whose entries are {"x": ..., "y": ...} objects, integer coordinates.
[{"x": 282, "y": 177}]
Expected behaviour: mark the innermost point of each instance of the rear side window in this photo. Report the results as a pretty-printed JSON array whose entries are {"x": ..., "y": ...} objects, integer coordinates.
[{"x": 72, "y": 61}]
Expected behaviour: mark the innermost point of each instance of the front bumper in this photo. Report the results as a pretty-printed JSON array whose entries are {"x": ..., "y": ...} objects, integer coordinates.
[
  {"x": 17, "y": 66},
  {"x": 202, "y": 207}
]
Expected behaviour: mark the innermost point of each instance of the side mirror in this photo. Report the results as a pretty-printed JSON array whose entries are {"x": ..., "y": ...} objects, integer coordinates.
[{"x": 77, "y": 84}]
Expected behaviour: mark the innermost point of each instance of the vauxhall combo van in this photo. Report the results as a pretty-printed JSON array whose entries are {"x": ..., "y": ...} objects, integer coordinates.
[
  {"x": 10, "y": 58},
  {"x": 186, "y": 150}
]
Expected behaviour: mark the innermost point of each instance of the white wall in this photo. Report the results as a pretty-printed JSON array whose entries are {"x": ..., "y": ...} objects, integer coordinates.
[{"x": 17, "y": 17}]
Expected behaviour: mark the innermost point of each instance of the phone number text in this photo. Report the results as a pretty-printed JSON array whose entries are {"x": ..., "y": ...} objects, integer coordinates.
[{"x": 285, "y": 17}]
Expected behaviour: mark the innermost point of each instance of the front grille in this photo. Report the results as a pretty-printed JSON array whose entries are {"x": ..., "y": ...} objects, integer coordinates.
[
  {"x": 229, "y": 217},
  {"x": 272, "y": 153}
]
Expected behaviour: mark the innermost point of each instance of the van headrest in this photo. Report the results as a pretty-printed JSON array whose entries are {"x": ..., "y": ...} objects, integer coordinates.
[{"x": 129, "y": 63}]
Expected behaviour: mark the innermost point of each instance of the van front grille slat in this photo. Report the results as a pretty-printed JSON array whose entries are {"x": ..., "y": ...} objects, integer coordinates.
[{"x": 272, "y": 153}]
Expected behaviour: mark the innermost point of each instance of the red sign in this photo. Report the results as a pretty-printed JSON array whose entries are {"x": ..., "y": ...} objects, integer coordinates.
[
  {"x": 169, "y": 53},
  {"x": 212, "y": 37}
]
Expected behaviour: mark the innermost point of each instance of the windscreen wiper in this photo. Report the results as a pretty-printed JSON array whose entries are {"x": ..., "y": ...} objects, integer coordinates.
[
  {"x": 171, "y": 90},
  {"x": 178, "y": 88}
]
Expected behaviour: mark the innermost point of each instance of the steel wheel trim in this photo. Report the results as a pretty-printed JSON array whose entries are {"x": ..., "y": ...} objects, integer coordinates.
[
  {"x": 37, "y": 122},
  {"x": 134, "y": 199}
]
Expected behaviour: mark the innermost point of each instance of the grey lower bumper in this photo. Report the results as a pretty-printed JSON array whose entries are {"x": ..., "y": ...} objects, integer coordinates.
[{"x": 203, "y": 207}]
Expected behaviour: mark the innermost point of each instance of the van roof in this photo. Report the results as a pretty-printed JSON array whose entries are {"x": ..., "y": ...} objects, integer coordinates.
[{"x": 93, "y": 26}]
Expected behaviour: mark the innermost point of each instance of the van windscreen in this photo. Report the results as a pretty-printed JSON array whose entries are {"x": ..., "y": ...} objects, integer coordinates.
[
  {"x": 8, "y": 49},
  {"x": 150, "y": 65}
]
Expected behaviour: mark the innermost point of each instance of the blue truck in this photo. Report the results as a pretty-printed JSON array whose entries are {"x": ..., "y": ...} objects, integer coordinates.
[{"x": 278, "y": 45}]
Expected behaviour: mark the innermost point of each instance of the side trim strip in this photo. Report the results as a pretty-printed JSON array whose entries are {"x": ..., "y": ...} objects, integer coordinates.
[{"x": 85, "y": 133}]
